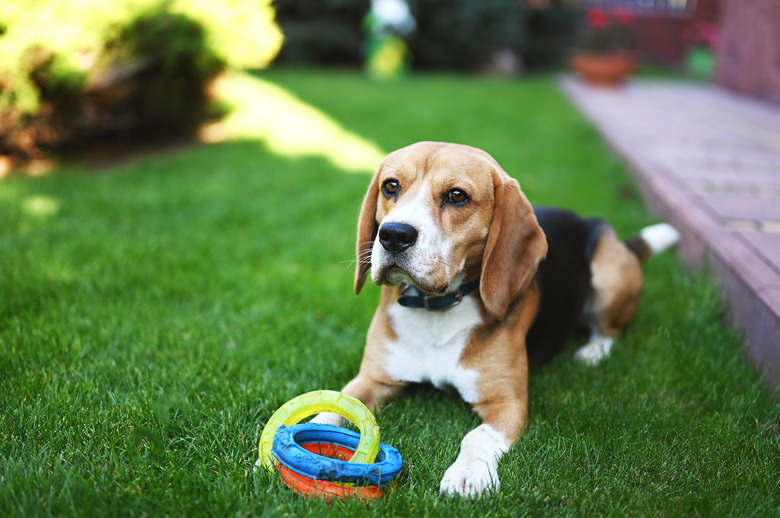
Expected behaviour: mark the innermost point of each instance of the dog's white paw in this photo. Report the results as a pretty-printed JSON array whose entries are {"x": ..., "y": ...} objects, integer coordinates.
[
  {"x": 470, "y": 479},
  {"x": 475, "y": 472},
  {"x": 594, "y": 351},
  {"x": 328, "y": 418}
]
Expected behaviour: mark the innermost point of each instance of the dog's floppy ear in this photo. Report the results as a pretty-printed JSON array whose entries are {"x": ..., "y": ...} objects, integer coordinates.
[
  {"x": 366, "y": 233},
  {"x": 515, "y": 246}
]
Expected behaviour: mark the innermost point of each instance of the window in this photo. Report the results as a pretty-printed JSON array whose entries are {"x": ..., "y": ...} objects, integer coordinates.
[{"x": 668, "y": 7}]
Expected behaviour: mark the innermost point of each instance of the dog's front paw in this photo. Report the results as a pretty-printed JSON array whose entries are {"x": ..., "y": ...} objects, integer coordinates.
[
  {"x": 328, "y": 418},
  {"x": 470, "y": 479},
  {"x": 475, "y": 471}
]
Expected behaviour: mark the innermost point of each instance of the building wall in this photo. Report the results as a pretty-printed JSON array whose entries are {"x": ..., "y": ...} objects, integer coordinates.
[
  {"x": 659, "y": 38},
  {"x": 748, "y": 48},
  {"x": 660, "y": 25}
]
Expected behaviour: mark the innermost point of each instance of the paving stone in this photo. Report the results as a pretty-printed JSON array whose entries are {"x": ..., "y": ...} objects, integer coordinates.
[
  {"x": 716, "y": 176},
  {"x": 708, "y": 161},
  {"x": 727, "y": 184},
  {"x": 768, "y": 246},
  {"x": 736, "y": 205}
]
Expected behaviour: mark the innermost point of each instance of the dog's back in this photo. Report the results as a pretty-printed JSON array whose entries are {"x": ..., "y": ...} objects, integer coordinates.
[
  {"x": 571, "y": 298},
  {"x": 564, "y": 279}
]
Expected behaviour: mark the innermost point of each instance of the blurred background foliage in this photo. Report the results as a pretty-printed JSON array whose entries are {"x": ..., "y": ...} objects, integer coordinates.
[
  {"x": 77, "y": 72},
  {"x": 73, "y": 71},
  {"x": 459, "y": 35},
  {"x": 326, "y": 32}
]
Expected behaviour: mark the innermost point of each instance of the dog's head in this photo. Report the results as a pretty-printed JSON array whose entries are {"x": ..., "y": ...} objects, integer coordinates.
[{"x": 436, "y": 215}]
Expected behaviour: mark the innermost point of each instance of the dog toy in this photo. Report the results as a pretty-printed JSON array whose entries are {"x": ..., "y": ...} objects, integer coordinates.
[
  {"x": 315, "y": 402},
  {"x": 309, "y": 460},
  {"x": 325, "y": 460}
]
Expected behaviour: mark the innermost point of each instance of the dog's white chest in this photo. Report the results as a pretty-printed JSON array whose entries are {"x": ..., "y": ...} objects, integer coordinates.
[{"x": 430, "y": 344}]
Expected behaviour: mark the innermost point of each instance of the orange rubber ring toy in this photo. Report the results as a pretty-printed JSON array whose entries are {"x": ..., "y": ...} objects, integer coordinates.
[{"x": 324, "y": 489}]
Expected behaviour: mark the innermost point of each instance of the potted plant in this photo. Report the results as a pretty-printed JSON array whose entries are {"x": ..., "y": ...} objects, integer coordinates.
[
  {"x": 699, "y": 40},
  {"x": 604, "y": 55}
]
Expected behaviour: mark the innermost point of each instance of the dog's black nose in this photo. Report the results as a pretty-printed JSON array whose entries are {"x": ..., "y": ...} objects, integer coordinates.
[{"x": 397, "y": 237}]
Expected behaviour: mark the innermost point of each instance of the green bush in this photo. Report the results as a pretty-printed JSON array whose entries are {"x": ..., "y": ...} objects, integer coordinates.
[
  {"x": 451, "y": 34},
  {"x": 550, "y": 33},
  {"x": 463, "y": 34},
  {"x": 460, "y": 34},
  {"x": 322, "y": 31},
  {"x": 72, "y": 70}
]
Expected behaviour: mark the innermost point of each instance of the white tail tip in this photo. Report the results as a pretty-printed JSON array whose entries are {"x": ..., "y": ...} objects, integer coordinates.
[{"x": 659, "y": 237}]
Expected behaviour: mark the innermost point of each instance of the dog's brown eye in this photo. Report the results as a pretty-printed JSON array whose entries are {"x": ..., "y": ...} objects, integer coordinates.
[
  {"x": 457, "y": 197},
  {"x": 390, "y": 188}
]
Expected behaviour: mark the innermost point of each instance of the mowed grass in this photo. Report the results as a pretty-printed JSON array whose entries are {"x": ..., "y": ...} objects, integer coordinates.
[{"x": 154, "y": 316}]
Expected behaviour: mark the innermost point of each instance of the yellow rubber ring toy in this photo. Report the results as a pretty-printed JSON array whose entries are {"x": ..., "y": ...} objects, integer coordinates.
[{"x": 323, "y": 401}]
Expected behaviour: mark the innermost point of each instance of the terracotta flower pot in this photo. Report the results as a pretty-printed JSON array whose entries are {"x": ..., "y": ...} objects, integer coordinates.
[{"x": 609, "y": 69}]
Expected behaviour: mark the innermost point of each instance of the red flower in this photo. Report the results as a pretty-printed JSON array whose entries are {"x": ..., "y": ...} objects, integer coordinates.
[
  {"x": 598, "y": 18},
  {"x": 701, "y": 34},
  {"x": 709, "y": 33},
  {"x": 623, "y": 15}
]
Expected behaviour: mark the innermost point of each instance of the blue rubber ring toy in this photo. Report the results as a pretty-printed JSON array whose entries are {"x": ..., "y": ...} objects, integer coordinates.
[{"x": 288, "y": 451}]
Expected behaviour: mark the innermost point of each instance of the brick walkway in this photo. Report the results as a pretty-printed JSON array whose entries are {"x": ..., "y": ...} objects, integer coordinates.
[{"x": 707, "y": 161}]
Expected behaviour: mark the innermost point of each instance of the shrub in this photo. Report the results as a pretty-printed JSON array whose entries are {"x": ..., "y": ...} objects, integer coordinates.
[
  {"x": 322, "y": 31},
  {"x": 75, "y": 70},
  {"x": 451, "y": 34},
  {"x": 549, "y": 34},
  {"x": 454, "y": 34},
  {"x": 463, "y": 34}
]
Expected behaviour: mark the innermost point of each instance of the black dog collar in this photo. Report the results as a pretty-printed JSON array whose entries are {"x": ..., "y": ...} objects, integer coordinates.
[{"x": 414, "y": 297}]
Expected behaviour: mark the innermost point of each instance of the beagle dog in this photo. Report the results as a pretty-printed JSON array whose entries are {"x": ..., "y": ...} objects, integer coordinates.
[{"x": 478, "y": 287}]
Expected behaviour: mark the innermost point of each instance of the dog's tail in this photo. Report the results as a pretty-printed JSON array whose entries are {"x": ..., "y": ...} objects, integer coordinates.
[{"x": 653, "y": 240}]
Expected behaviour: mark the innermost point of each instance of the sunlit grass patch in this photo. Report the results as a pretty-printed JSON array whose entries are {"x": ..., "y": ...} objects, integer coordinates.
[{"x": 290, "y": 127}]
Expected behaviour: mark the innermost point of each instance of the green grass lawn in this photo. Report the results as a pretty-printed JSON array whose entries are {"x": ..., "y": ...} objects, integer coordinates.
[{"x": 153, "y": 317}]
